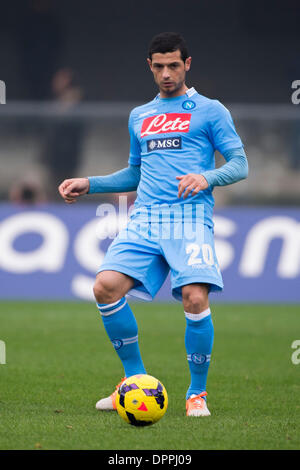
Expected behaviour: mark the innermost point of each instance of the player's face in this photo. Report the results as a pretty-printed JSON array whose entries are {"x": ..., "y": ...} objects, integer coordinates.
[{"x": 169, "y": 72}]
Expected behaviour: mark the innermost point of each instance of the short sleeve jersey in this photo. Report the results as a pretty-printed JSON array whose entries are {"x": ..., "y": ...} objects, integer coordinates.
[{"x": 170, "y": 137}]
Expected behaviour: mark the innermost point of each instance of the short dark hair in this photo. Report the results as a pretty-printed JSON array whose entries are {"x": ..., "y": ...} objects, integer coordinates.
[{"x": 168, "y": 42}]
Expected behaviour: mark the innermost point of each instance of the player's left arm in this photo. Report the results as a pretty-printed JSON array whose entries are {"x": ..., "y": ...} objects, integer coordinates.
[
  {"x": 235, "y": 169},
  {"x": 224, "y": 138}
]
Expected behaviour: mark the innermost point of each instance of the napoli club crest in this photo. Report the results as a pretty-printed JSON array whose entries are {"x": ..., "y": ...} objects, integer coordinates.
[
  {"x": 189, "y": 104},
  {"x": 117, "y": 343}
]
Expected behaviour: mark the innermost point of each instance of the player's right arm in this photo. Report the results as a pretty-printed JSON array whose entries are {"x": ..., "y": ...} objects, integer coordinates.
[
  {"x": 119, "y": 182},
  {"x": 124, "y": 180},
  {"x": 72, "y": 188}
]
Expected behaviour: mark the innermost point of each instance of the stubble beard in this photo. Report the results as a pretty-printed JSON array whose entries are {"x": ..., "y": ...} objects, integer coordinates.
[{"x": 173, "y": 91}]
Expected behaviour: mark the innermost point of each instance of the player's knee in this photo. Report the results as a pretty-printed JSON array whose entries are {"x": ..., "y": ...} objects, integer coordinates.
[
  {"x": 195, "y": 298},
  {"x": 104, "y": 291}
]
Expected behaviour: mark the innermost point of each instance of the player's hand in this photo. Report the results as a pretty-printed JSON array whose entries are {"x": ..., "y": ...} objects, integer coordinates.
[
  {"x": 72, "y": 188},
  {"x": 191, "y": 182}
]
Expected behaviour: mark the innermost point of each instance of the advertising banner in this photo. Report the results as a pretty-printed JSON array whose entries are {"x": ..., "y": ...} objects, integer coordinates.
[{"x": 53, "y": 251}]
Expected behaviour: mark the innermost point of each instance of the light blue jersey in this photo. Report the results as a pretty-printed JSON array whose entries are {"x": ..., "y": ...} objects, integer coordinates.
[{"x": 170, "y": 137}]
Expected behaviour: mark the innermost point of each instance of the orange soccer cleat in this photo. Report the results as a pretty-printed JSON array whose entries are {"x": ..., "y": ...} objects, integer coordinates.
[
  {"x": 196, "y": 405},
  {"x": 109, "y": 403}
]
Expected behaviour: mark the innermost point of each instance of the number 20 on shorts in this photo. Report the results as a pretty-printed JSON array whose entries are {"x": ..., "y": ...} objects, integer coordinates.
[{"x": 205, "y": 251}]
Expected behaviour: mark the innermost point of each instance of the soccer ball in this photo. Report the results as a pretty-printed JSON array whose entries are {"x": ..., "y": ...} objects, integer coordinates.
[{"x": 141, "y": 400}]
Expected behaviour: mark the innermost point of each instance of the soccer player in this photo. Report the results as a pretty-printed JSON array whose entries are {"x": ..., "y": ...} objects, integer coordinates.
[{"x": 171, "y": 164}]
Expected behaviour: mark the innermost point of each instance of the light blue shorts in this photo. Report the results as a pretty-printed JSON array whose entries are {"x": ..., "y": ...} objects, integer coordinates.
[{"x": 148, "y": 254}]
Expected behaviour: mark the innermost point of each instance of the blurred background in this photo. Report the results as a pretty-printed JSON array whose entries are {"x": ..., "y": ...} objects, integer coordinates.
[{"x": 74, "y": 70}]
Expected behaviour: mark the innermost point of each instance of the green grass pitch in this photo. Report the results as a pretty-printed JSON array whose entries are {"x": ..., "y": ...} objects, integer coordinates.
[{"x": 59, "y": 362}]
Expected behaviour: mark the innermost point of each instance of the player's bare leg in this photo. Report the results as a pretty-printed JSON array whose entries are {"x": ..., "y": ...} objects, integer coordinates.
[
  {"x": 110, "y": 289},
  {"x": 195, "y": 298},
  {"x": 111, "y": 286},
  {"x": 198, "y": 341}
]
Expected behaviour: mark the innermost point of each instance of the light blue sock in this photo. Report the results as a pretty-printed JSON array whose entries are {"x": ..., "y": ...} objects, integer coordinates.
[
  {"x": 199, "y": 338},
  {"x": 121, "y": 327}
]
